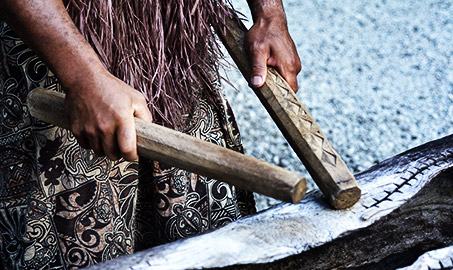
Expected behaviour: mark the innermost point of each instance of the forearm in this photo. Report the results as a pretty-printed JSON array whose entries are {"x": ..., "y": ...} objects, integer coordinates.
[
  {"x": 47, "y": 28},
  {"x": 100, "y": 107}
]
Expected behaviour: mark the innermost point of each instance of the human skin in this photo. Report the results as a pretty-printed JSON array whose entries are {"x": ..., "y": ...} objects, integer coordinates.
[
  {"x": 102, "y": 107},
  {"x": 269, "y": 43}
]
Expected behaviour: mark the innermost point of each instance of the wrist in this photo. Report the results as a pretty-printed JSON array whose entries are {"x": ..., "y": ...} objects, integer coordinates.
[
  {"x": 270, "y": 22},
  {"x": 81, "y": 74},
  {"x": 267, "y": 11}
]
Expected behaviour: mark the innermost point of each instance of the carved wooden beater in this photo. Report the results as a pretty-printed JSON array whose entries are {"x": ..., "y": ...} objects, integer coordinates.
[{"x": 297, "y": 125}]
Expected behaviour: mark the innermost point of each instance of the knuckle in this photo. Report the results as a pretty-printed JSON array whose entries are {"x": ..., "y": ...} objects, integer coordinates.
[
  {"x": 134, "y": 95},
  {"x": 122, "y": 118},
  {"x": 76, "y": 130},
  {"x": 258, "y": 66},
  {"x": 257, "y": 47},
  {"x": 249, "y": 36},
  {"x": 104, "y": 127},
  {"x": 293, "y": 68},
  {"x": 90, "y": 132},
  {"x": 253, "y": 41}
]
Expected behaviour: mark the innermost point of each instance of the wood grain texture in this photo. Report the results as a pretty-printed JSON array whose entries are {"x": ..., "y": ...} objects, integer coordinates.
[
  {"x": 166, "y": 145},
  {"x": 297, "y": 125},
  {"x": 406, "y": 210},
  {"x": 423, "y": 223},
  {"x": 434, "y": 260}
]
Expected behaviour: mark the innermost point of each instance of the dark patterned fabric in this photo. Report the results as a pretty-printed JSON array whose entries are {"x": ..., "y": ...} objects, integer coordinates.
[{"x": 62, "y": 207}]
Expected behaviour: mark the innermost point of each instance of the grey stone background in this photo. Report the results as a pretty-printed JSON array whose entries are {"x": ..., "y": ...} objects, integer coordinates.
[{"x": 377, "y": 76}]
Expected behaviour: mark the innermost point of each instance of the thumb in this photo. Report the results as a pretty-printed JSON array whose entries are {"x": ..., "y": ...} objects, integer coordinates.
[{"x": 259, "y": 69}]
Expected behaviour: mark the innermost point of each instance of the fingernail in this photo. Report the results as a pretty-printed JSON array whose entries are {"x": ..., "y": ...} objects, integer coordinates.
[{"x": 257, "y": 80}]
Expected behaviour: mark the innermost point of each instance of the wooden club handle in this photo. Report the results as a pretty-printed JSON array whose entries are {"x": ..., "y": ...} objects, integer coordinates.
[
  {"x": 162, "y": 144},
  {"x": 299, "y": 128}
]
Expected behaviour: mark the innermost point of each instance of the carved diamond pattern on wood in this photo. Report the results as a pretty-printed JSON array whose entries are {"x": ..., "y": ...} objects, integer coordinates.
[
  {"x": 304, "y": 122},
  {"x": 329, "y": 157},
  {"x": 291, "y": 107},
  {"x": 278, "y": 80},
  {"x": 298, "y": 127},
  {"x": 316, "y": 140}
]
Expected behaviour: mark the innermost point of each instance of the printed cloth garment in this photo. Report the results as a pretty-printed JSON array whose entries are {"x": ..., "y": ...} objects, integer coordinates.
[{"x": 62, "y": 207}]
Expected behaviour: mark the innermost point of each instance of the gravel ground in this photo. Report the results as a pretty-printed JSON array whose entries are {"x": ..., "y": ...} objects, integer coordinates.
[{"x": 377, "y": 76}]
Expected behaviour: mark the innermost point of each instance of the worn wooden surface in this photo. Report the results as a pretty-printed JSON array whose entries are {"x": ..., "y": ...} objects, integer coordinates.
[
  {"x": 297, "y": 125},
  {"x": 166, "y": 145},
  {"x": 433, "y": 260},
  {"x": 424, "y": 223},
  {"x": 406, "y": 210}
]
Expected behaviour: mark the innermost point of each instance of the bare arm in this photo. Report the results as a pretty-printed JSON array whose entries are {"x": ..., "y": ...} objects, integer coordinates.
[
  {"x": 101, "y": 106},
  {"x": 269, "y": 43}
]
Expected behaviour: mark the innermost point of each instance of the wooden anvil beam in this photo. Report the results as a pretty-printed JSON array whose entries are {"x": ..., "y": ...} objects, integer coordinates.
[{"x": 406, "y": 209}]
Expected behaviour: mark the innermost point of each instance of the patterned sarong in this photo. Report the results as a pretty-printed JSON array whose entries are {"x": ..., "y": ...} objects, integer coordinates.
[{"x": 63, "y": 207}]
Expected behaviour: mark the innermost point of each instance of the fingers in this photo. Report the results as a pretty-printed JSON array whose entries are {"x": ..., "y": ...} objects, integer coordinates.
[
  {"x": 292, "y": 81},
  {"x": 96, "y": 145},
  {"x": 110, "y": 146},
  {"x": 268, "y": 43},
  {"x": 290, "y": 76},
  {"x": 127, "y": 140},
  {"x": 114, "y": 140},
  {"x": 82, "y": 140},
  {"x": 126, "y": 134},
  {"x": 294, "y": 68},
  {"x": 263, "y": 56},
  {"x": 288, "y": 69},
  {"x": 258, "y": 72},
  {"x": 259, "y": 56},
  {"x": 110, "y": 142},
  {"x": 102, "y": 116}
]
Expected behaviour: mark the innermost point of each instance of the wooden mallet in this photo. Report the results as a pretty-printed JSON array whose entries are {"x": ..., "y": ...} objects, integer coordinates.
[
  {"x": 323, "y": 163},
  {"x": 162, "y": 144}
]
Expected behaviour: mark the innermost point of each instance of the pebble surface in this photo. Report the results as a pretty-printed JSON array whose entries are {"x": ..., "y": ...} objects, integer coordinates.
[{"x": 377, "y": 76}]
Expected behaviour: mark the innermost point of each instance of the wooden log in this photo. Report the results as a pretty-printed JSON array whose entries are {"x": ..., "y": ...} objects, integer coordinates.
[
  {"x": 297, "y": 125},
  {"x": 406, "y": 210},
  {"x": 169, "y": 146},
  {"x": 434, "y": 260}
]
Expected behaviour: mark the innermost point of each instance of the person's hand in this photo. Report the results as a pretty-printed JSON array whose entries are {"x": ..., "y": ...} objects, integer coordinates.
[
  {"x": 101, "y": 113},
  {"x": 101, "y": 107},
  {"x": 268, "y": 43}
]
